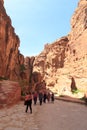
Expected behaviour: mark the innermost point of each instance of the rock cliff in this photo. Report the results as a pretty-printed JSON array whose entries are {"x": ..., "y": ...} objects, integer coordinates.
[
  {"x": 10, "y": 57},
  {"x": 10, "y": 61},
  {"x": 2, "y": 1},
  {"x": 55, "y": 67},
  {"x": 66, "y": 57}
]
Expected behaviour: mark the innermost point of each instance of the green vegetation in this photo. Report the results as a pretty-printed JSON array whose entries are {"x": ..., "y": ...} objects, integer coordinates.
[{"x": 75, "y": 91}]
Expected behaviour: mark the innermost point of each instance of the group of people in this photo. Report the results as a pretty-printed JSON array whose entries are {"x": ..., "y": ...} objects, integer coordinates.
[{"x": 43, "y": 97}]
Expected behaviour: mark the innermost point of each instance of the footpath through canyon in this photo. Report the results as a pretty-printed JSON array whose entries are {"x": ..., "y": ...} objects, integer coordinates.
[{"x": 59, "y": 115}]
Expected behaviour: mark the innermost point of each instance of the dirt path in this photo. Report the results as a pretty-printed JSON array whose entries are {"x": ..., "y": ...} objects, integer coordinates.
[
  {"x": 15, "y": 118},
  {"x": 58, "y": 116},
  {"x": 62, "y": 116}
]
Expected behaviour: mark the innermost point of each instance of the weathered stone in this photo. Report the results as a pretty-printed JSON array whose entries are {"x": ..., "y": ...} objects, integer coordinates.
[
  {"x": 2, "y": 1},
  {"x": 66, "y": 57},
  {"x": 29, "y": 68},
  {"x": 10, "y": 57},
  {"x": 10, "y": 93},
  {"x": 60, "y": 60}
]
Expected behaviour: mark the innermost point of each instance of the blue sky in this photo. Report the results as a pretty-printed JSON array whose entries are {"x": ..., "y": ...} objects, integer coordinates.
[{"x": 38, "y": 22}]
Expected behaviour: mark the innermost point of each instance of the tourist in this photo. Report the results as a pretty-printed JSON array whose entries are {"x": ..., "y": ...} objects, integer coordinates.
[
  {"x": 52, "y": 97},
  {"x": 28, "y": 100},
  {"x": 44, "y": 97},
  {"x": 48, "y": 97},
  {"x": 35, "y": 95},
  {"x": 40, "y": 97}
]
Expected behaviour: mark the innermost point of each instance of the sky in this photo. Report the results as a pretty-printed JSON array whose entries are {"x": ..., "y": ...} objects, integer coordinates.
[{"x": 38, "y": 22}]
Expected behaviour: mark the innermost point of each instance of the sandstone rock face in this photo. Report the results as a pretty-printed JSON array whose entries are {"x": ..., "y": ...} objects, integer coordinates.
[
  {"x": 10, "y": 57},
  {"x": 10, "y": 93},
  {"x": 29, "y": 68},
  {"x": 66, "y": 57},
  {"x": 2, "y": 1},
  {"x": 76, "y": 59},
  {"x": 51, "y": 61},
  {"x": 10, "y": 61}
]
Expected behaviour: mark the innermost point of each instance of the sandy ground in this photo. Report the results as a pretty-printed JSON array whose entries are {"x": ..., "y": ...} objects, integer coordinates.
[{"x": 59, "y": 115}]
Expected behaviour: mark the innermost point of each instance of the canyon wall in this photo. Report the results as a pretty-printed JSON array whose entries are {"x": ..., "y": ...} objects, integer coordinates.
[
  {"x": 56, "y": 64},
  {"x": 66, "y": 57},
  {"x": 10, "y": 57},
  {"x": 10, "y": 61}
]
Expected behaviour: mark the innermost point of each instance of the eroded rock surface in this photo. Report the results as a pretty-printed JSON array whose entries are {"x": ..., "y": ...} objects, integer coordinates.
[
  {"x": 67, "y": 56},
  {"x": 10, "y": 57},
  {"x": 10, "y": 93}
]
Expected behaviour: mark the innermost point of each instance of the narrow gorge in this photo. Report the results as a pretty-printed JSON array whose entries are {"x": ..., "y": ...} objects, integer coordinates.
[{"x": 54, "y": 67}]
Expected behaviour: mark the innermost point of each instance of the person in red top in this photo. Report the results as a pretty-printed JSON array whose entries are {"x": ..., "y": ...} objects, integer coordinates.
[{"x": 28, "y": 100}]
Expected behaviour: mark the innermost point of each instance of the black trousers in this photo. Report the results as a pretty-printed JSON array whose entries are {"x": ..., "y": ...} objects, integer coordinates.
[
  {"x": 29, "y": 105},
  {"x": 35, "y": 100},
  {"x": 40, "y": 101}
]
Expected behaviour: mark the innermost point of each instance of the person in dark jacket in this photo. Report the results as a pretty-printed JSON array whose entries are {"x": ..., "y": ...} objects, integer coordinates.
[
  {"x": 40, "y": 97},
  {"x": 35, "y": 95},
  {"x": 52, "y": 97},
  {"x": 44, "y": 97}
]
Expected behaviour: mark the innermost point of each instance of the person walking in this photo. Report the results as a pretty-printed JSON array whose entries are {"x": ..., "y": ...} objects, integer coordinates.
[
  {"x": 52, "y": 97},
  {"x": 28, "y": 100},
  {"x": 48, "y": 97},
  {"x": 44, "y": 97},
  {"x": 40, "y": 97},
  {"x": 35, "y": 95}
]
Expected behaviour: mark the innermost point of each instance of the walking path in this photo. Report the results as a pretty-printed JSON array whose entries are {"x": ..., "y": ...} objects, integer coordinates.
[
  {"x": 15, "y": 118},
  {"x": 49, "y": 116},
  {"x": 63, "y": 116}
]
